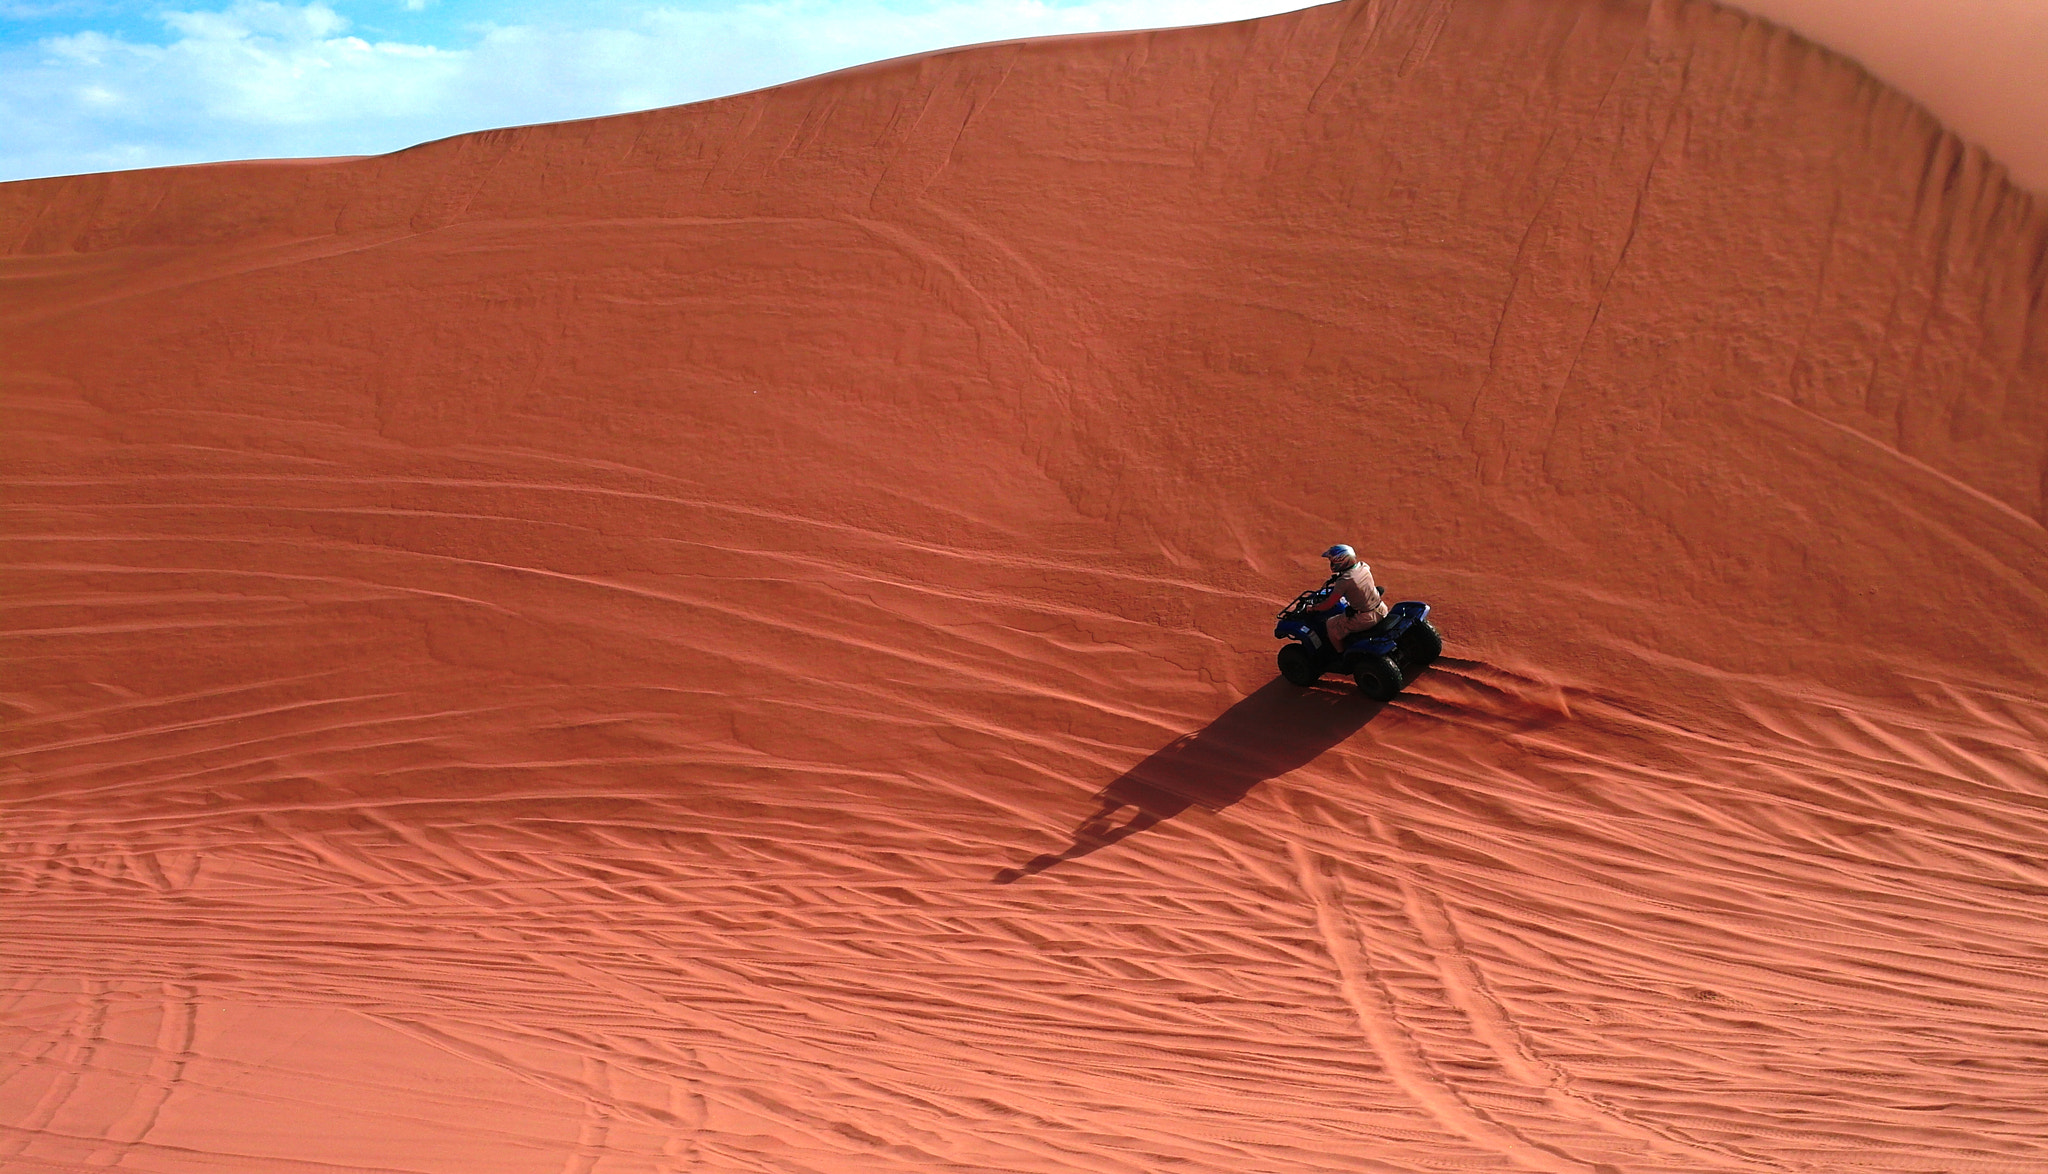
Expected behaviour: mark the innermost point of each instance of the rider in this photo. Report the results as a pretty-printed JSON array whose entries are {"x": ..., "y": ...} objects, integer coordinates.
[{"x": 1352, "y": 580}]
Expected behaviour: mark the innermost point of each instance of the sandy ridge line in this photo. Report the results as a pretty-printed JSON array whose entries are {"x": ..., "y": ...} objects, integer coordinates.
[
  {"x": 590, "y": 581},
  {"x": 175, "y": 272},
  {"x": 2005, "y": 732},
  {"x": 249, "y": 260},
  {"x": 1794, "y": 752},
  {"x": 1164, "y": 722},
  {"x": 882, "y": 539},
  {"x": 1947, "y": 480},
  {"x": 1828, "y": 971},
  {"x": 1727, "y": 873},
  {"x": 162, "y": 759},
  {"x": 821, "y": 1132},
  {"x": 188, "y": 1154},
  {"x": 197, "y": 723},
  {"x": 392, "y": 591},
  {"x": 1820, "y": 779},
  {"x": 282, "y": 611},
  {"x": 1931, "y": 832}
]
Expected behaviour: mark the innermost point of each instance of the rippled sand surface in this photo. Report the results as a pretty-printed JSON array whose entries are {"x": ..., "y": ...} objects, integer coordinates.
[{"x": 737, "y": 637}]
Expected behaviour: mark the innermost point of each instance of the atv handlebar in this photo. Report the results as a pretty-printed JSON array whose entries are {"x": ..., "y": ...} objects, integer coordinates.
[
  {"x": 1306, "y": 602},
  {"x": 1302, "y": 605}
]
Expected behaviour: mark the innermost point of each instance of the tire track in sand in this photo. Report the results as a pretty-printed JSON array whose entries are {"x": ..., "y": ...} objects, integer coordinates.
[
  {"x": 87, "y": 1034},
  {"x": 1494, "y": 1027},
  {"x": 1396, "y": 1047},
  {"x": 597, "y": 1127},
  {"x": 177, "y": 1030}
]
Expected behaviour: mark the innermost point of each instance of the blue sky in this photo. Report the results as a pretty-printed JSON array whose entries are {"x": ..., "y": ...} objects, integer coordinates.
[{"x": 99, "y": 85}]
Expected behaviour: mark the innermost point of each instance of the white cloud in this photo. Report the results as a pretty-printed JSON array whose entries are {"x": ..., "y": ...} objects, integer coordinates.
[
  {"x": 84, "y": 48},
  {"x": 260, "y": 78},
  {"x": 258, "y": 18}
]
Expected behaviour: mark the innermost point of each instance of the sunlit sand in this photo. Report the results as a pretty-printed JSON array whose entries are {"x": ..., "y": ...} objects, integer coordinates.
[{"x": 738, "y": 637}]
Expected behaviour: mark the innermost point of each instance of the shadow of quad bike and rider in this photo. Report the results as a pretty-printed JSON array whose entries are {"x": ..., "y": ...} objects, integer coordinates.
[{"x": 1275, "y": 730}]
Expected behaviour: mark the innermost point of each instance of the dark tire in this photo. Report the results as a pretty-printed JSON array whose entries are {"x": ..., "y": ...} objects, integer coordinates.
[
  {"x": 1429, "y": 643},
  {"x": 1299, "y": 665},
  {"x": 1378, "y": 677}
]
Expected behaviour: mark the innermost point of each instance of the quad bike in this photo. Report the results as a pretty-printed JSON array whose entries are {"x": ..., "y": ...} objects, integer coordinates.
[{"x": 1382, "y": 659}]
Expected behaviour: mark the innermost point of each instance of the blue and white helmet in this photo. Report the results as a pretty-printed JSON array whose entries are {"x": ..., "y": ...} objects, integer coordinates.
[{"x": 1341, "y": 558}]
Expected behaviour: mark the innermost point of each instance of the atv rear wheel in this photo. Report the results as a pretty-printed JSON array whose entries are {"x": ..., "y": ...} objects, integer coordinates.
[
  {"x": 1299, "y": 665},
  {"x": 1378, "y": 677}
]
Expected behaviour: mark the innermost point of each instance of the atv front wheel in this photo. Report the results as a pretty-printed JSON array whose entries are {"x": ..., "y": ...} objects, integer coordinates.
[
  {"x": 1429, "y": 643},
  {"x": 1378, "y": 677},
  {"x": 1299, "y": 665}
]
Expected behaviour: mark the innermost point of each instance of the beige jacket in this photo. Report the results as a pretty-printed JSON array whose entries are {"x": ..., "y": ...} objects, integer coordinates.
[{"x": 1359, "y": 591}]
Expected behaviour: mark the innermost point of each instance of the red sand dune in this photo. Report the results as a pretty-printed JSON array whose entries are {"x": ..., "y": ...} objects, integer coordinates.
[
  {"x": 1978, "y": 65},
  {"x": 736, "y": 637}
]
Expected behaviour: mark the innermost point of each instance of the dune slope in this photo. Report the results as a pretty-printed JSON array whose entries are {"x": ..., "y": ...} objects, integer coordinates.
[{"x": 736, "y": 637}]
